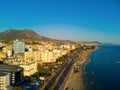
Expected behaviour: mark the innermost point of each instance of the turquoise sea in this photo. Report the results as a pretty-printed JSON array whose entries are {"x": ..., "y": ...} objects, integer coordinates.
[{"x": 102, "y": 72}]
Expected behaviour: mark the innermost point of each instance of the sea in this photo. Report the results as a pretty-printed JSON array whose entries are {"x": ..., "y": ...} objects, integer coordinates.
[{"x": 102, "y": 72}]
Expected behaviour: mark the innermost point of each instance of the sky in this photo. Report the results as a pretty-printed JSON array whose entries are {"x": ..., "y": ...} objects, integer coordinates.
[{"x": 76, "y": 20}]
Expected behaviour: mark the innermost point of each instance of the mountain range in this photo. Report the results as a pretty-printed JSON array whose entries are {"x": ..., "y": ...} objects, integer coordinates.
[
  {"x": 26, "y": 34},
  {"x": 30, "y": 35}
]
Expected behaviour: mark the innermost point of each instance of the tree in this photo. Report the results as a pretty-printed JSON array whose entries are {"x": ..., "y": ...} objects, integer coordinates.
[{"x": 18, "y": 88}]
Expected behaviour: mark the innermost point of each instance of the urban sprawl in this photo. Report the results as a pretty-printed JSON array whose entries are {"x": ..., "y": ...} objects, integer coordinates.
[{"x": 22, "y": 63}]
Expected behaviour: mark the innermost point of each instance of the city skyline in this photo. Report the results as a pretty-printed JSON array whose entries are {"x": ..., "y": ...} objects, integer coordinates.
[{"x": 88, "y": 20}]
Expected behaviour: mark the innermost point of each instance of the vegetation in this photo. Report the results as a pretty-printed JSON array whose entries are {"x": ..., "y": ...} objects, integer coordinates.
[
  {"x": 53, "y": 85},
  {"x": 88, "y": 47},
  {"x": 44, "y": 71},
  {"x": 62, "y": 59},
  {"x": 19, "y": 88}
]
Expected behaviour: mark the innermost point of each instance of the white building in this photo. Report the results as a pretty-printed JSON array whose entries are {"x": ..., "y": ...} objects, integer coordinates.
[
  {"x": 18, "y": 47},
  {"x": 29, "y": 68},
  {"x": 9, "y": 53},
  {"x": 4, "y": 81}
]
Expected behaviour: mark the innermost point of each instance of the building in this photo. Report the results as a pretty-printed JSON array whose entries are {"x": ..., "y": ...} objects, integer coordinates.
[
  {"x": 18, "y": 47},
  {"x": 15, "y": 72},
  {"x": 4, "y": 49},
  {"x": 46, "y": 56},
  {"x": 9, "y": 53},
  {"x": 2, "y": 55},
  {"x": 33, "y": 56},
  {"x": 29, "y": 68},
  {"x": 4, "y": 80}
]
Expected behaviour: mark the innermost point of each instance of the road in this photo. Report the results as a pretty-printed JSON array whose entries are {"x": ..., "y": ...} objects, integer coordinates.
[{"x": 63, "y": 72}]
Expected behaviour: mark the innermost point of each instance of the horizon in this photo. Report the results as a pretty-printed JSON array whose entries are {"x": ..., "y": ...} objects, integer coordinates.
[
  {"x": 64, "y": 20},
  {"x": 60, "y": 39}
]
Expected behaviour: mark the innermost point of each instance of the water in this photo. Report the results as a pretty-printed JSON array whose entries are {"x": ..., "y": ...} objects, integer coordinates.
[{"x": 102, "y": 72}]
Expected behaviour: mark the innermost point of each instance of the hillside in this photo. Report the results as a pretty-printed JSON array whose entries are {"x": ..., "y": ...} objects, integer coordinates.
[{"x": 26, "y": 34}]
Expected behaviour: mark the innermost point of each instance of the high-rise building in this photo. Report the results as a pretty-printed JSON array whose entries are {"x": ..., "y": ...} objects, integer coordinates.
[
  {"x": 15, "y": 72},
  {"x": 18, "y": 47},
  {"x": 4, "y": 80}
]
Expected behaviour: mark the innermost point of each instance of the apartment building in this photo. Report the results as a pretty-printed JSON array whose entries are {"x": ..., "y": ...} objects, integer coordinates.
[
  {"x": 18, "y": 47},
  {"x": 29, "y": 68},
  {"x": 4, "y": 80},
  {"x": 16, "y": 73}
]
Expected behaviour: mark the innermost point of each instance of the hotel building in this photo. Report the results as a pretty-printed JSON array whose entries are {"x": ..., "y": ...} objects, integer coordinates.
[
  {"x": 18, "y": 47},
  {"x": 29, "y": 68},
  {"x": 4, "y": 80},
  {"x": 15, "y": 72}
]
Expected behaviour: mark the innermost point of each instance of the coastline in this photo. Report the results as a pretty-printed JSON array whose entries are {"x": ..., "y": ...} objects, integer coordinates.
[
  {"x": 75, "y": 81},
  {"x": 88, "y": 57}
]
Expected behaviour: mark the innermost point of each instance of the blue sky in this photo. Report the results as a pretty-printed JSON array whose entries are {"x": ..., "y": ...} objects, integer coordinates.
[{"x": 81, "y": 20}]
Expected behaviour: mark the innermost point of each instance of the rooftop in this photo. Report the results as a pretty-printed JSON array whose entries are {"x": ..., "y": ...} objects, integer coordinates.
[
  {"x": 10, "y": 68},
  {"x": 3, "y": 74}
]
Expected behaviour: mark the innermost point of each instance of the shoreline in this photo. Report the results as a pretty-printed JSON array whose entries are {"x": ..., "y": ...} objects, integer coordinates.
[
  {"x": 75, "y": 81},
  {"x": 88, "y": 58}
]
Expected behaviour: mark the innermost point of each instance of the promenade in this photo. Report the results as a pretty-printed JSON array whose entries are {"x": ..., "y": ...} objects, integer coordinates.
[
  {"x": 57, "y": 82},
  {"x": 75, "y": 80},
  {"x": 67, "y": 78}
]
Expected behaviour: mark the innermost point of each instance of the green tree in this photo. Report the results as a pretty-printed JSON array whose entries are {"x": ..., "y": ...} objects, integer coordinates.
[{"x": 18, "y": 88}]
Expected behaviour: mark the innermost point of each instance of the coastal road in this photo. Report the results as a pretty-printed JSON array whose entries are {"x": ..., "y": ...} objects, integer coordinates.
[{"x": 60, "y": 76}]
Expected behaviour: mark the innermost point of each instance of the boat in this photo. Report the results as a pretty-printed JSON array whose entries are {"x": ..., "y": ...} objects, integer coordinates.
[
  {"x": 91, "y": 82},
  {"x": 118, "y": 62},
  {"x": 92, "y": 72}
]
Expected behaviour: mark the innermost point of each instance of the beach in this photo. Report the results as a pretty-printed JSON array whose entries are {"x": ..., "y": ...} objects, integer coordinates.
[{"x": 75, "y": 80}]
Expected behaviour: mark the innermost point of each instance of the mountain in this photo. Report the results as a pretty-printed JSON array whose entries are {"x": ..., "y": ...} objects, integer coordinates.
[
  {"x": 92, "y": 42},
  {"x": 26, "y": 34},
  {"x": 29, "y": 35}
]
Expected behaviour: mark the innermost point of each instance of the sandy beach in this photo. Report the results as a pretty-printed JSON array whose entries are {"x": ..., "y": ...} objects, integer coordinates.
[{"x": 75, "y": 80}]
